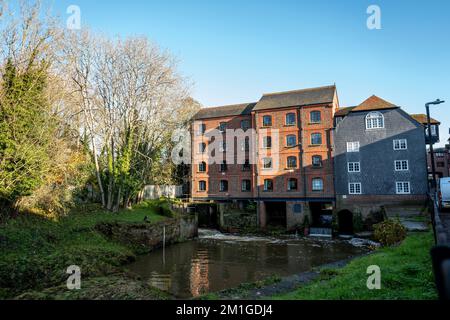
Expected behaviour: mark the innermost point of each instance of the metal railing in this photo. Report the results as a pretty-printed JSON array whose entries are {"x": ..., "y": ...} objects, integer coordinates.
[{"x": 440, "y": 253}]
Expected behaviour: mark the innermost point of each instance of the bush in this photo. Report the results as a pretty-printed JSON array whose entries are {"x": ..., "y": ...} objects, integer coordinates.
[{"x": 389, "y": 232}]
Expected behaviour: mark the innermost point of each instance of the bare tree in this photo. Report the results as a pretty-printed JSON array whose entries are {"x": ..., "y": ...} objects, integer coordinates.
[{"x": 131, "y": 101}]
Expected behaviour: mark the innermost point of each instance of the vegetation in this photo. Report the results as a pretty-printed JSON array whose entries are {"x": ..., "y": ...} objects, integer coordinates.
[
  {"x": 406, "y": 273},
  {"x": 389, "y": 232},
  {"x": 36, "y": 250}
]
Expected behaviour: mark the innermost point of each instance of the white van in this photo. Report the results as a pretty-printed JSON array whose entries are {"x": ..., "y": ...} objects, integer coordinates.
[{"x": 444, "y": 192}]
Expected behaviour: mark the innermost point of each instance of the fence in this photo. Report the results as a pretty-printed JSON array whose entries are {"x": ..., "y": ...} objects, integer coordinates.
[
  {"x": 440, "y": 254},
  {"x": 155, "y": 192}
]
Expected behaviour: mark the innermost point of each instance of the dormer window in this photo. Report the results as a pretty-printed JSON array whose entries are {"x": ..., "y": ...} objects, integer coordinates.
[{"x": 374, "y": 120}]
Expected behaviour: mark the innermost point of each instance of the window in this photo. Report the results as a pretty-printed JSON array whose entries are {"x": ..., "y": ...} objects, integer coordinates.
[
  {"x": 292, "y": 162},
  {"x": 316, "y": 139},
  {"x": 267, "y": 163},
  {"x": 440, "y": 164},
  {"x": 315, "y": 116},
  {"x": 401, "y": 165},
  {"x": 267, "y": 142},
  {"x": 245, "y": 125},
  {"x": 402, "y": 187},
  {"x": 317, "y": 184},
  {"x": 223, "y": 166},
  {"x": 268, "y": 185},
  {"x": 223, "y": 185},
  {"x": 353, "y": 146},
  {"x": 202, "y": 167},
  {"x": 354, "y": 188},
  {"x": 317, "y": 161},
  {"x": 223, "y": 147},
  {"x": 292, "y": 184},
  {"x": 246, "y": 166},
  {"x": 290, "y": 119},
  {"x": 267, "y": 121},
  {"x": 246, "y": 185},
  {"x": 202, "y": 147},
  {"x": 375, "y": 120},
  {"x": 223, "y": 126},
  {"x": 201, "y": 129},
  {"x": 291, "y": 141},
  {"x": 202, "y": 185},
  {"x": 400, "y": 144},
  {"x": 354, "y": 167}
]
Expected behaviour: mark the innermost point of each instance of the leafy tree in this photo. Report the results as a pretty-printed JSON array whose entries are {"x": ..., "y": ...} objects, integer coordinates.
[{"x": 26, "y": 131}]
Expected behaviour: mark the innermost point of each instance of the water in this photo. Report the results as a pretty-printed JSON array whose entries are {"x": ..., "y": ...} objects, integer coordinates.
[{"x": 217, "y": 261}]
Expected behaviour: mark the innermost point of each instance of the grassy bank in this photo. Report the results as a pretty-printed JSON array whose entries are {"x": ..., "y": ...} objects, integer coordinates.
[
  {"x": 36, "y": 251},
  {"x": 406, "y": 273}
]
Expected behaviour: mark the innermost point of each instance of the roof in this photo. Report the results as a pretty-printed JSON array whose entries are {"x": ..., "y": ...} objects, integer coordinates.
[
  {"x": 303, "y": 97},
  {"x": 224, "y": 111},
  {"x": 422, "y": 118},
  {"x": 342, "y": 112},
  {"x": 374, "y": 103}
]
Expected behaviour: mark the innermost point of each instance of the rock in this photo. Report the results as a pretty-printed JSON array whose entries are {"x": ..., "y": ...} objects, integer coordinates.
[{"x": 358, "y": 242}]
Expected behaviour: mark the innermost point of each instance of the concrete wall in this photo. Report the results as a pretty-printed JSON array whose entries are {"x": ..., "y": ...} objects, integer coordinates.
[
  {"x": 148, "y": 237},
  {"x": 156, "y": 192}
]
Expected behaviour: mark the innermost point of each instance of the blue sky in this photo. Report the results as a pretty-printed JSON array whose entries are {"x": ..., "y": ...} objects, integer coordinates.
[{"x": 236, "y": 50}]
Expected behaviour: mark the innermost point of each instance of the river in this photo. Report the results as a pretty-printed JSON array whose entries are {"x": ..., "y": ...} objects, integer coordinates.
[{"x": 217, "y": 261}]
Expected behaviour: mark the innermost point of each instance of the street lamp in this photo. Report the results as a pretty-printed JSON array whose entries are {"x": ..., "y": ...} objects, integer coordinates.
[{"x": 433, "y": 166}]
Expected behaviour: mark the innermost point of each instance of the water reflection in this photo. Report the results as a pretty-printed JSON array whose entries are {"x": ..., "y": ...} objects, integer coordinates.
[{"x": 215, "y": 261}]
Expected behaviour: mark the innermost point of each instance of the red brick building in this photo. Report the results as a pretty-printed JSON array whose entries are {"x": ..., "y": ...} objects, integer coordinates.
[{"x": 282, "y": 160}]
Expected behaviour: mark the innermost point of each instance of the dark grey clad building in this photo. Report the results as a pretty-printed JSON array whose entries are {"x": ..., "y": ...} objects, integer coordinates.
[{"x": 380, "y": 158}]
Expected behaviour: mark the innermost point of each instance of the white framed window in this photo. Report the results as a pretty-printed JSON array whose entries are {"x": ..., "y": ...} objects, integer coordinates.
[
  {"x": 400, "y": 144},
  {"x": 403, "y": 187},
  {"x": 401, "y": 165},
  {"x": 353, "y": 146},
  {"x": 374, "y": 120},
  {"x": 354, "y": 167},
  {"x": 354, "y": 188}
]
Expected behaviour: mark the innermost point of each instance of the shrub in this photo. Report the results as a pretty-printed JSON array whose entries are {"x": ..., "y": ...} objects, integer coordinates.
[{"x": 389, "y": 232}]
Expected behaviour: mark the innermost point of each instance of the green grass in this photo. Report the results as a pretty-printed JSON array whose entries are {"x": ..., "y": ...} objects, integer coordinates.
[
  {"x": 35, "y": 251},
  {"x": 406, "y": 273}
]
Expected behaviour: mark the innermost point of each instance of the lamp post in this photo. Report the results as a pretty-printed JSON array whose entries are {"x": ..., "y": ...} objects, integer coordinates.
[{"x": 433, "y": 165}]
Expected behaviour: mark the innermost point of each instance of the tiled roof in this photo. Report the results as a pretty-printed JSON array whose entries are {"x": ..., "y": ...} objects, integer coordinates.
[
  {"x": 225, "y": 111},
  {"x": 304, "y": 97},
  {"x": 374, "y": 103},
  {"x": 422, "y": 118},
  {"x": 342, "y": 112}
]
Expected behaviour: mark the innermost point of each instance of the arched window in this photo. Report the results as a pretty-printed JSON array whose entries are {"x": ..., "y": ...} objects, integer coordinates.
[
  {"x": 292, "y": 162},
  {"x": 202, "y": 185},
  {"x": 223, "y": 185},
  {"x": 267, "y": 121},
  {"x": 317, "y": 184},
  {"x": 292, "y": 184},
  {"x": 291, "y": 140},
  {"x": 268, "y": 185},
  {"x": 316, "y": 139},
  {"x": 374, "y": 120},
  {"x": 290, "y": 119},
  {"x": 202, "y": 166},
  {"x": 202, "y": 147},
  {"x": 267, "y": 142},
  {"x": 317, "y": 161},
  {"x": 315, "y": 116}
]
